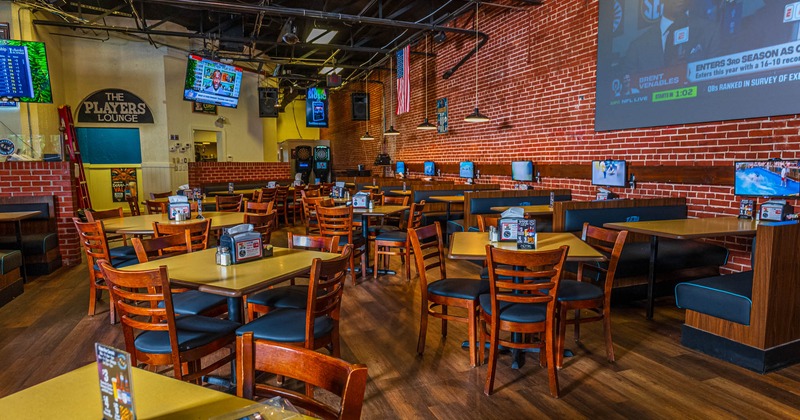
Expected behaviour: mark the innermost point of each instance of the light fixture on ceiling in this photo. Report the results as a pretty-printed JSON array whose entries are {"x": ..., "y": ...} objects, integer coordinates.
[
  {"x": 366, "y": 136},
  {"x": 321, "y": 36},
  {"x": 391, "y": 132},
  {"x": 288, "y": 33},
  {"x": 425, "y": 124},
  {"x": 476, "y": 116}
]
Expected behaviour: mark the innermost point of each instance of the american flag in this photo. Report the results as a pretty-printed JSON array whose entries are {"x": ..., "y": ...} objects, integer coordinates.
[{"x": 403, "y": 82}]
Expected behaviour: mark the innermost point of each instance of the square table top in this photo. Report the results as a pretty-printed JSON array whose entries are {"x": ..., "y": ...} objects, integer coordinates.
[
  {"x": 447, "y": 198},
  {"x": 143, "y": 225},
  {"x": 537, "y": 210},
  {"x": 198, "y": 270},
  {"x": 15, "y": 216},
  {"x": 76, "y": 395},
  {"x": 380, "y": 210},
  {"x": 690, "y": 228},
  {"x": 472, "y": 246}
]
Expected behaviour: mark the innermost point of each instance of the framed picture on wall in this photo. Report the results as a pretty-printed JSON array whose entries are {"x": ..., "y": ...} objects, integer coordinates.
[
  {"x": 200, "y": 108},
  {"x": 4, "y": 30}
]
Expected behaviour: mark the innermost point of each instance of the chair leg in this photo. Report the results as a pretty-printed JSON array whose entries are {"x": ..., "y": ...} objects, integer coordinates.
[
  {"x": 364, "y": 266},
  {"x": 577, "y": 325},
  {"x": 481, "y": 340},
  {"x": 550, "y": 348},
  {"x": 490, "y": 371},
  {"x": 607, "y": 332},
  {"x": 423, "y": 327},
  {"x": 353, "y": 268},
  {"x": 112, "y": 313},
  {"x": 562, "y": 332},
  {"x": 407, "y": 257},
  {"x": 92, "y": 297},
  {"x": 471, "y": 321},
  {"x": 444, "y": 321}
]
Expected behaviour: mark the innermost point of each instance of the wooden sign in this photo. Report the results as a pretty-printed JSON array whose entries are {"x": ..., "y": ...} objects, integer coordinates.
[{"x": 114, "y": 106}]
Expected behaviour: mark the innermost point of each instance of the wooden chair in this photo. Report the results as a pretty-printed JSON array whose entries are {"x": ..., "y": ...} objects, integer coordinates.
[
  {"x": 124, "y": 251},
  {"x": 591, "y": 292},
  {"x": 264, "y": 224},
  {"x": 338, "y": 221},
  {"x": 317, "y": 325},
  {"x": 485, "y": 221},
  {"x": 522, "y": 300},
  {"x": 154, "y": 196},
  {"x": 198, "y": 231},
  {"x": 133, "y": 204},
  {"x": 291, "y": 296},
  {"x": 156, "y": 207},
  {"x": 397, "y": 221},
  {"x": 445, "y": 292},
  {"x": 92, "y": 236},
  {"x": 155, "y": 336},
  {"x": 386, "y": 242},
  {"x": 281, "y": 200},
  {"x": 258, "y": 207},
  {"x": 185, "y": 302},
  {"x": 310, "y": 212},
  {"x": 229, "y": 202},
  {"x": 310, "y": 192},
  {"x": 326, "y": 189},
  {"x": 345, "y": 380},
  {"x": 267, "y": 195}
]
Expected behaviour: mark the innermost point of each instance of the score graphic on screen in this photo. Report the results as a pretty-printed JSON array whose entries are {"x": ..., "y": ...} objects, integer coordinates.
[{"x": 15, "y": 75}]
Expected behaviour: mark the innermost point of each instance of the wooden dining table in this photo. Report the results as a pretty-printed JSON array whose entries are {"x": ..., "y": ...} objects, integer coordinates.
[
  {"x": 143, "y": 224},
  {"x": 448, "y": 200},
  {"x": 16, "y": 218},
  {"x": 710, "y": 227},
  {"x": 472, "y": 246},
  {"x": 376, "y": 211}
]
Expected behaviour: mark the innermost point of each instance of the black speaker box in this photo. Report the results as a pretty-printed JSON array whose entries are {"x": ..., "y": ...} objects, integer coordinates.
[
  {"x": 267, "y": 102},
  {"x": 360, "y": 101}
]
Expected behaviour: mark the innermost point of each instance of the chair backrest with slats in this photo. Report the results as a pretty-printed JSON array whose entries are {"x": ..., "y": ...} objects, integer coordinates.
[
  {"x": 336, "y": 221},
  {"x": 263, "y": 223},
  {"x": 133, "y": 204},
  {"x": 93, "y": 240},
  {"x": 391, "y": 200},
  {"x": 313, "y": 242},
  {"x": 485, "y": 221},
  {"x": 153, "y": 196},
  {"x": 415, "y": 215},
  {"x": 267, "y": 195},
  {"x": 156, "y": 207},
  {"x": 311, "y": 192},
  {"x": 428, "y": 249},
  {"x": 229, "y": 202},
  {"x": 610, "y": 243},
  {"x": 258, "y": 208},
  {"x": 198, "y": 231},
  {"x": 94, "y": 216},
  {"x": 162, "y": 246},
  {"x": 325, "y": 288}
]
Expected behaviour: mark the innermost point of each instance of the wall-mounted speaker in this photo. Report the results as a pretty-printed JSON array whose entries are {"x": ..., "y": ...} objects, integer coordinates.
[
  {"x": 268, "y": 102},
  {"x": 360, "y": 102}
]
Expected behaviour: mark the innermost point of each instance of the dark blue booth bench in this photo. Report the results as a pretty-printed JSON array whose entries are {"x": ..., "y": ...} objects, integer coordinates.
[
  {"x": 39, "y": 233},
  {"x": 481, "y": 203},
  {"x": 10, "y": 275}
]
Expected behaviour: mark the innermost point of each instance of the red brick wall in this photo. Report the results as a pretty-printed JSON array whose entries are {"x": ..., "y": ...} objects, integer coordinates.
[
  {"x": 214, "y": 172},
  {"x": 47, "y": 178},
  {"x": 537, "y": 82}
]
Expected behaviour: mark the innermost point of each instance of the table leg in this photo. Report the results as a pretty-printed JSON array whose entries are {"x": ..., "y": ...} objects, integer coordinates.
[
  {"x": 651, "y": 275},
  {"x": 365, "y": 233},
  {"x": 235, "y": 309},
  {"x": 18, "y": 234}
]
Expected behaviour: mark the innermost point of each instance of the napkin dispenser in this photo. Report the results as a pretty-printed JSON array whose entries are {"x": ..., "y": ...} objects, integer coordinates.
[
  {"x": 508, "y": 224},
  {"x": 244, "y": 243},
  {"x": 775, "y": 210},
  {"x": 179, "y": 204},
  {"x": 360, "y": 200}
]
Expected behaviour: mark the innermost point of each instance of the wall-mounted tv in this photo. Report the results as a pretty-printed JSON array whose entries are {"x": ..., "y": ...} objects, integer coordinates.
[
  {"x": 316, "y": 107},
  {"x": 776, "y": 178},
  {"x": 24, "y": 75},
  {"x": 212, "y": 82},
  {"x": 609, "y": 173},
  {"x": 400, "y": 167},
  {"x": 522, "y": 170},
  {"x": 429, "y": 168},
  {"x": 466, "y": 169}
]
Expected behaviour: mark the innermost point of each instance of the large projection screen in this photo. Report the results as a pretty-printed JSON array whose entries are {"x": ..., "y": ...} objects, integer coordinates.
[{"x": 663, "y": 62}]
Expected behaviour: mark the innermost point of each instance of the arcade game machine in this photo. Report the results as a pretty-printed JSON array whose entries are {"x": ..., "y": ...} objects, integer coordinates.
[
  {"x": 303, "y": 161},
  {"x": 322, "y": 163}
]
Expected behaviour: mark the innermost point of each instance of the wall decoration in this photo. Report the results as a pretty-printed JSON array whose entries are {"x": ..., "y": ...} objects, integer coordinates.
[
  {"x": 441, "y": 115},
  {"x": 201, "y": 108},
  {"x": 114, "y": 106},
  {"x": 123, "y": 184}
]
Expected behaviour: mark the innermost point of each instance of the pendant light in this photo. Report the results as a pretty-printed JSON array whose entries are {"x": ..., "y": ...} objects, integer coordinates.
[
  {"x": 366, "y": 136},
  {"x": 391, "y": 132},
  {"x": 476, "y": 116},
  {"x": 425, "y": 124}
]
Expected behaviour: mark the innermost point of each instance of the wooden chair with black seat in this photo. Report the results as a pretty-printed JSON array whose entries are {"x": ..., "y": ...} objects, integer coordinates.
[
  {"x": 522, "y": 301},
  {"x": 293, "y": 295},
  {"x": 93, "y": 240},
  {"x": 124, "y": 251},
  {"x": 231, "y": 203},
  {"x": 310, "y": 220},
  {"x": 256, "y": 207},
  {"x": 264, "y": 224},
  {"x": 198, "y": 232},
  {"x": 185, "y": 301},
  {"x": 485, "y": 221},
  {"x": 281, "y": 200},
  {"x": 316, "y": 325},
  {"x": 310, "y": 192},
  {"x": 445, "y": 292},
  {"x": 345, "y": 380},
  {"x": 267, "y": 195},
  {"x": 154, "y": 196},
  {"x": 591, "y": 292},
  {"x": 338, "y": 221},
  {"x": 397, "y": 242},
  {"x": 156, "y": 207},
  {"x": 133, "y": 204},
  {"x": 155, "y": 335}
]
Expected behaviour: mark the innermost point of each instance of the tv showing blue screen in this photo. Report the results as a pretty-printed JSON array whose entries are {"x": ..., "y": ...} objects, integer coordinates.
[
  {"x": 211, "y": 82},
  {"x": 429, "y": 168},
  {"x": 400, "y": 168},
  {"x": 24, "y": 74},
  {"x": 522, "y": 170},
  {"x": 609, "y": 173},
  {"x": 773, "y": 179},
  {"x": 466, "y": 169}
]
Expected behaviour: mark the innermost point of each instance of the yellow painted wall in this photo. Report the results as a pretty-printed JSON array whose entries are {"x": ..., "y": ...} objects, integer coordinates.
[
  {"x": 98, "y": 178},
  {"x": 292, "y": 124}
]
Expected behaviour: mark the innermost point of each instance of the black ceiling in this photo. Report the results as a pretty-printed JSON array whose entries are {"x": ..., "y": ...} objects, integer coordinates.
[{"x": 250, "y": 31}]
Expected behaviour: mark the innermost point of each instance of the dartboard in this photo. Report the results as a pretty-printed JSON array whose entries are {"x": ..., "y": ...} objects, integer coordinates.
[
  {"x": 321, "y": 153},
  {"x": 304, "y": 153}
]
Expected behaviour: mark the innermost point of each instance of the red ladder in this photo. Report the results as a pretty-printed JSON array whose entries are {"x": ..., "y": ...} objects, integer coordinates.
[{"x": 71, "y": 143}]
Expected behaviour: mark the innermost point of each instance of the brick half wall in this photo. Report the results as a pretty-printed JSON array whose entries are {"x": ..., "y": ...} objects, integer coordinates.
[{"x": 201, "y": 173}]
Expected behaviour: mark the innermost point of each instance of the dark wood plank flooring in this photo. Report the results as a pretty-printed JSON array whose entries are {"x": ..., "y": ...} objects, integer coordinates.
[{"x": 46, "y": 332}]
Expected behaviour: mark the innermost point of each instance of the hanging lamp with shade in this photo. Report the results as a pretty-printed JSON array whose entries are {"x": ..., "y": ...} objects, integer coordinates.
[
  {"x": 391, "y": 132},
  {"x": 476, "y": 116},
  {"x": 425, "y": 124},
  {"x": 366, "y": 136}
]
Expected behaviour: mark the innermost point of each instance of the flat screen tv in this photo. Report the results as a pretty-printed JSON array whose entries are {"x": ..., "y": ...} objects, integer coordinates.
[
  {"x": 24, "y": 75},
  {"x": 522, "y": 170},
  {"x": 775, "y": 179},
  {"x": 466, "y": 169},
  {"x": 429, "y": 168},
  {"x": 317, "y": 107},
  {"x": 400, "y": 167},
  {"x": 212, "y": 82},
  {"x": 609, "y": 173}
]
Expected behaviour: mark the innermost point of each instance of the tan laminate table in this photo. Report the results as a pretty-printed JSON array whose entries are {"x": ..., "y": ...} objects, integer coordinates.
[
  {"x": 449, "y": 200},
  {"x": 472, "y": 246},
  {"x": 143, "y": 225},
  {"x": 16, "y": 217},
  {"x": 401, "y": 192},
  {"x": 538, "y": 210},
  {"x": 683, "y": 229}
]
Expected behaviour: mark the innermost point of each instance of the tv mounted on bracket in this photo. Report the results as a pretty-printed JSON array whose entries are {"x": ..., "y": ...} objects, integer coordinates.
[
  {"x": 773, "y": 179},
  {"x": 429, "y": 168},
  {"x": 400, "y": 167},
  {"x": 466, "y": 169},
  {"x": 522, "y": 170},
  {"x": 211, "y": 82},
  {"x": 24, "y": 75},
  {"x": 609, "y": 173}
]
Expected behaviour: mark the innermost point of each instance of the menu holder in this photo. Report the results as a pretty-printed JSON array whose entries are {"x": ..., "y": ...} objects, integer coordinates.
[
  {"x": 526, "y": 234},
  {"x": 116, "y": 382},
  {"x": 746, "y": 208}
]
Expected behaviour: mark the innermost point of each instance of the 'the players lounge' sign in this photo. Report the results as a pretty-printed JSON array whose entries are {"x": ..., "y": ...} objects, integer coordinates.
[{"x": 114, "y": 106}]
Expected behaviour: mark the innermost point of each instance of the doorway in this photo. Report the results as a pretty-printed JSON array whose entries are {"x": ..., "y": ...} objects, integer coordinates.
[{"x": 207, "y": 146}]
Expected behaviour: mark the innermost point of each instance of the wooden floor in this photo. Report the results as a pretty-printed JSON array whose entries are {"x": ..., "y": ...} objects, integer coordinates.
[{"x": 46, "y": 332}]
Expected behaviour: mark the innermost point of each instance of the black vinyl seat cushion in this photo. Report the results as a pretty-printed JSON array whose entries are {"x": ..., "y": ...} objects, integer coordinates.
[
  {"x": 294, "y": 296},
  {"x": 126, "y": 252},
  {"x": 358, "y": 240},
  {"x": 10, "y": 260},
  {"x": 120, "y": 263},
  {"x": 193, "y": 331},
  {"x": 727, "y": 297},
  {"x": 32, "y": 243},
  {"x": 515, "y": 312},
  {"x": 286, "y": 326},
  {"x": 569, "y": 290},
  {"x": 393, "y": 236},
  {"x": 468, "y": 289},
  {"x": 378, "y": 229},
  {"x": 195, "y": 302}
]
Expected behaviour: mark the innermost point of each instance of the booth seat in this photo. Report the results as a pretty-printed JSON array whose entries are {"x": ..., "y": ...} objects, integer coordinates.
[
  {"x": 10, "y": 275},
  {"x": 39, "y": 233},
  {"x": 481, "y": 202},
  {"x": 727, "y": 297}
]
